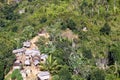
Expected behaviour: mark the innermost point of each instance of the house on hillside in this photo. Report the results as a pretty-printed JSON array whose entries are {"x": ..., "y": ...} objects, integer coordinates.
[
  {"x": 27, "y": 62},
  {"x": 23, "y": 73},
  {"x": 43, "y": 75},
  {"x": 35, "y": 52},
  {"x": 21, "y": 11},
  {"x": 36, "y": 60},
  {"x": 85, "y": 29},
  {"x": 32, "y": 52},
  {"x": 21, "y": 50},
  {"x": 28, "y": 52},
  {"x": 17, "y": 64},
  {"x": 43, "y": 58},
  {"x": 27, "y": 44}
]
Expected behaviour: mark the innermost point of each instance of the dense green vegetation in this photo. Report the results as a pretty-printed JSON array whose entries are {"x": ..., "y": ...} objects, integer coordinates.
[
  {"x": 16, "y": 75},
  {"x": 76, "y": 59}
]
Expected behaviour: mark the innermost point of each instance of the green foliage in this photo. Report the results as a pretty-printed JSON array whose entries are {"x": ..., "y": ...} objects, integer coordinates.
[
  {"x": 87, "y": 54},
  {"x": 1, "y": 71},
  {"x": 106, "y": 29},
  {"x": 97, "y": 75},
  {"x": 51, "y": 65},
  {"x": 2, "y": 23},
  {"x": 43, "y": 20},
  {"x": 6, "y": 56},
  {"x": 64, "y": 74},
  {"x": 69, "y": 23},
  {"x": 56, "y": 16},
  {"x": 16, "y": 75},
  {"x": 114, "y": 54},
  {"x": 9, "y": 13},
  {"x": 28, "y": 32}
]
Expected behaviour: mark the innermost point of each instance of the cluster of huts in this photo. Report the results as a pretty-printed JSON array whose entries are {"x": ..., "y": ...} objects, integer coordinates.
[{"x": 27, "y": 57}]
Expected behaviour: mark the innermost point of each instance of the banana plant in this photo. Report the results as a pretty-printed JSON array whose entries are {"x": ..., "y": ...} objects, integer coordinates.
[{"x": 51, "y": 65}]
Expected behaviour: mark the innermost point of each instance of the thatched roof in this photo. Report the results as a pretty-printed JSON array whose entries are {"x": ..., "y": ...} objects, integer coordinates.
[
  {"x": 36, "y": 62},
  {"x": 27, "y": 44},
  {"x": 43, "y": 56},
  {"x": 27, "y": 62},
  {"x": 32, "y": 52},
  {"x": 21, "y": 50},
  {"x": 42, "y": 75},
  {"x": 36, "y": 58}
]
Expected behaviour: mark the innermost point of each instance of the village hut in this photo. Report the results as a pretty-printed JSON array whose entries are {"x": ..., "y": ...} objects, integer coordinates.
[
  {"x": 28, "y": 52},
  {"x": 21, "y": 11},
  {"x": 27, "y": 44},
  {"x": 27, "y": 62},
  {"x": 36, "y": 62},
  {"x": 27, "y": 57},
  {"x": 28, "y": 71},
  {"x": 85, "y": 29},
  {"x": 35, "y": 53},
  {"x": 32, "y": 52},
  {"x": 43, "y": 75},
  {"x": 17, "y": 64},
  {"x": 23, "y": 73},
  {"x": 36, "y": 58},
  {"x": 43, "y": 57},
  {"x": 21, "y": 50}
]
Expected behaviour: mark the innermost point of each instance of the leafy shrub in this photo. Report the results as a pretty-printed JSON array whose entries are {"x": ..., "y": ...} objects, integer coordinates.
[
  {"x": 15, "y": 28},
  {"x": 114, "y": 54},
  {"x": 9, "y": 13},
  {"x": 105, "y": 30},
  {"x": 69, "y": 23},
  {"x": 63, "y": 26},
  {"x": 87, "y": 54},
  {"x": 64, "y": 74},
  {"x": 2, "y": 23},
  {"x": 29, "y": 0},
  {"x": 1, "y": 71},
  {"x": 43, "y": 20},
  {"x": 28, "y": 32},
  {"x": 97, "y": 75},
  {"x": 16, "y": 75}
]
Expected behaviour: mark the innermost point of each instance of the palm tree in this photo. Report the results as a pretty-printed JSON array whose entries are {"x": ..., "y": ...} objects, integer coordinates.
[{"x": 51, "y": 65}]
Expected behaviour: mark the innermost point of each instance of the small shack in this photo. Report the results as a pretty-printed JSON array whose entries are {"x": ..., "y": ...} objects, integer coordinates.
[
  {"x": 85, "y": 29},
  {"x": 36, "y": 58},
  {"x": 32, "y": 53},
  {"x": 27, "y": 62},
  {"x": 27, "y": 44},
  {"x": 43, "y": 58},
  {"x": 17, "y": 64},
  {"x": 21, "y": 11},
  {"x": 36, "y": 62},
  {"x": 23, "y": 73},
  {"x": 35, "y": 52},
  {"x": 21, "y": 50},
  {"x": 28, "y": 52},
  {"x": 43, "y": 75}
]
